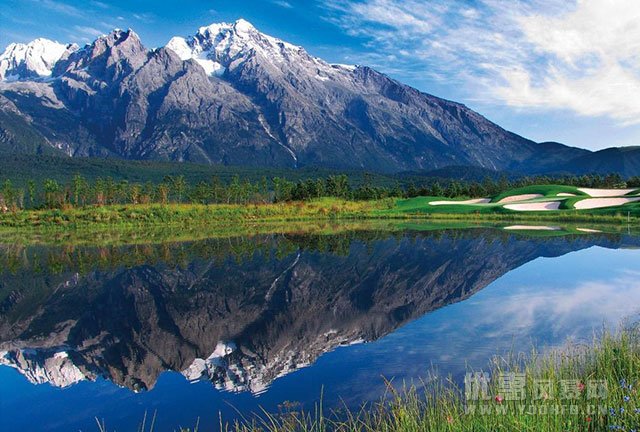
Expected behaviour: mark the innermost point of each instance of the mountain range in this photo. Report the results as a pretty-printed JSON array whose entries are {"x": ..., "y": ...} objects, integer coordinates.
[{"x": 232, "y": 95}]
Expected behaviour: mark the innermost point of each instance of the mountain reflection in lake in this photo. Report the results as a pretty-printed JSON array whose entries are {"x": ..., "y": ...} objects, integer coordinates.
[{"x": 113, "y": 331}]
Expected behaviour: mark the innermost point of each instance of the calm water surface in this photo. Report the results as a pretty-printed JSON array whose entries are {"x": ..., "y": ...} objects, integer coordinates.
[{"x": 195, "y": 329}]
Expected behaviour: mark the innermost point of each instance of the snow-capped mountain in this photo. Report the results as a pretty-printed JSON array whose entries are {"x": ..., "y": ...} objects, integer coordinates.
[
  {"x": 33, "y": 60},
  {"x": 215, "y": 46},
  {"x": 232, "y": 95},
  {"x": 219, "y": 46}
]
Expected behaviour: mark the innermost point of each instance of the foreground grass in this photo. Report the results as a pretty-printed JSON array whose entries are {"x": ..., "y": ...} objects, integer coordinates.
[{"x": 581, "y": 388}]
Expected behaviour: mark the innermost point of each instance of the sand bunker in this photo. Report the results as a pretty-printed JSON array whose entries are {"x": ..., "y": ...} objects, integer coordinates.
[
  {"x": 593, "y": 203},
  {"x": 533, "y": 228},
  {"x": 565, "y": 194},
  {"x": 539, "y": 206},
  {"x": 588, "y": 230},
  {"x": 605, "y": 192},
  {"x": 471, "y": 201},
  {"x": 515, "y": 198}
]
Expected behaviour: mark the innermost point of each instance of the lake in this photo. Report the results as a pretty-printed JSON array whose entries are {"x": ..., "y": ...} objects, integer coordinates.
[{"x": 209, "y": 328}]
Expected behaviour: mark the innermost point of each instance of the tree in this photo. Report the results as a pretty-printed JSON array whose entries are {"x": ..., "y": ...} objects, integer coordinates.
[
  {"x": 201, "y": 193},
  {"x": 109, "y": 190},
  {"x": 412, "y": 191},
  {"x": 282, "y": 189},
  {"x": 338, "y": 186},
  {"x": 217, "y": 190},
  {"x": 397, "y": 190},
  {"x": 135, "y": 193},
  {"x": 9, "y": 194},
  {"x": 99, "y": 192},
  {"x": 79, "y": 188},
  {"x": 163, "y": 193},
  {"x": 147, "y": 193},
  {"x": 233, "y": 191},
  {"x": 31, "y": 187},
  {"x": 264, "y": 189},
  {"x": 122, "y": 192},
  {"x": 179, "y": 185},
  {"x": 51, "y": 193},
  {"x": 436, "y": 190}
]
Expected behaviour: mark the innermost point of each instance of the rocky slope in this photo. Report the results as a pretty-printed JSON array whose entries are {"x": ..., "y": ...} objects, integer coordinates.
[{"x": 232, "y": 95}]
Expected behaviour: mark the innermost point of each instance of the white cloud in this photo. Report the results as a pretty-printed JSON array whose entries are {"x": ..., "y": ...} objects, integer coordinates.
[
  {"x": 282, "y": 3},
  {"x": 584, "y": 306},
  {"x": 582, "y": 56},
  {"x": 145, "y": 17},
  {"x": 86, "y": 31},
  {"x": 60, "y": 7},
  {"x": 100, "y": 4}
]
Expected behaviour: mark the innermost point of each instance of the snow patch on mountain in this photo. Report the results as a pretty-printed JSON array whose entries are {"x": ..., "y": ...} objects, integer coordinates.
[
  {"x": 215, "y": 46},
  {"x": 185, "y": 51},
  {"x": 33, "y": 60},
  {"x": 55, "y": 367},
  {"x": 231, "y": 369}
]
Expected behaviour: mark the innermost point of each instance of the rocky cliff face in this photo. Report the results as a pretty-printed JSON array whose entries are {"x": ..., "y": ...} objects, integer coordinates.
[
  {"x": 242, "y": 323},
  {"x": 232, "y": 95}
]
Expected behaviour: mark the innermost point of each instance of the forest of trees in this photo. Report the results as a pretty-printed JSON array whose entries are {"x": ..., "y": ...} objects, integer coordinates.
[{"x": 79, "y": 192}]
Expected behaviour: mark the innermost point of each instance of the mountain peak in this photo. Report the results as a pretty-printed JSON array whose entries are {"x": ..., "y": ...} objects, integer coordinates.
[
  {"x": 240, "y": 27},
  {"x": 118, "y": 36},
  {"x": 243, "y": 26},
  {"x": 109, "y": 56},
  {"x": 35, "y": 59},
  {"x": 215, "y": 46}
]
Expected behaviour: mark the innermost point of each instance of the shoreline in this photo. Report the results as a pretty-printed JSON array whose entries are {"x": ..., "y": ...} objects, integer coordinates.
[
  {"x": 323, "y": 210},
  {"x": 174, "y": 222}
]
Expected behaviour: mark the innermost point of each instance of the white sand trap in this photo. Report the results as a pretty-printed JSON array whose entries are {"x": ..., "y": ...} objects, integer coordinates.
[
  {"x": 533, "y": 228},
  {"x": 516, "y": 198},
  {"x": 565, "y": 194},
  {"x": 471, "y": 201},
  {"x": 539, "y": 206},
  {"x": 593, "y": 203},
  {"x": 598, "y": 193},
  {"x": 588, "y": 230}
]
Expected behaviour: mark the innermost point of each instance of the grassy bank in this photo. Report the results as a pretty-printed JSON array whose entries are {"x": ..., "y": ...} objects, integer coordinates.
[
  {"x": 580, "y": 388},
  {"x": 191, "y": 214},
  {"x": 224, "y": 217}
]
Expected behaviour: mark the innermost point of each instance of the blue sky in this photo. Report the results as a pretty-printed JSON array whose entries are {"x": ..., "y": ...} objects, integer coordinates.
[{"x": 558, "y": 70}]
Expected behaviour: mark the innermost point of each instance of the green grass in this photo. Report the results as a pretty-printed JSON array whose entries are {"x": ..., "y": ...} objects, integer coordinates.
[
  {"x": 442, "y": 406},
  {"x": 548, "y": 191},
  {"x": 190, "y": 214},
  {"x": 494, "y": 211},
  {"x": 420, "y": 207}
]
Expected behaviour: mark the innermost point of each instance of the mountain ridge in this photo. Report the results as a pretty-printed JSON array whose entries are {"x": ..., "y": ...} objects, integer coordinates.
[{"x": 231, "y": 95}]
